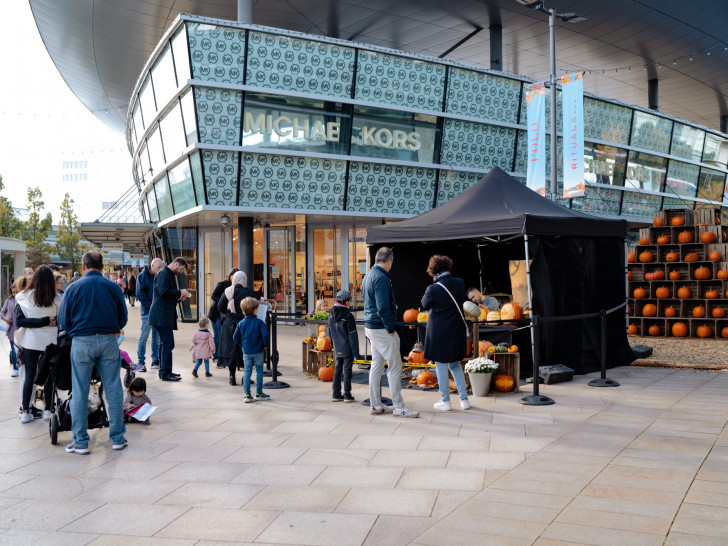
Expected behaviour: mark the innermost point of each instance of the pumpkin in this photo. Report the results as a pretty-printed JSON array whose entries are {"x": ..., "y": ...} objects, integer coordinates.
[
  {"x": 708, "y": 237},
  {"x": 468, "y": 347},
  {"x": 702, "y": 273},
  {"x": 640, "y": 293},
  {"x": 321, "y": 329},
  {"x": 659, "y": 221},
  {"x": 691, "y": 257},
  {"x": 426, "y": 378},
  {"x": 722, "y": 274},
  {"x": 685, "y": 237},
  {"x": 679, "y": 329},
  {"x": 326, "y": 373},
  {"x": 483, "y": 347},
  {"x": 674, "y": 275},
  {"x": 678, "y": 221},
  {"x": 683, "y": 292},
  {"x": 483, "y": 313},
  {"x": 422, "y": 317},
  {"x": 705, "y": 331},
  {"x": 670, "y": 312},
  {"x": 629, "y": 275},
  {"x": 718, "y": 312},
  {"x": 646, "y": 257},
  {"x": 410, "y": 315},
  {"x": 663, "y": 239},
  {"x": 630, "y": 257},
  {"x": 629, "y": 310},
  {"x": 644, "y": 240},
  {"x": 503, "y": 383},
  {"x": 649, "y": 310},
  {"x": 632, "y": 329},
  {"x": 654, "y": 330},
  {"x": 671, "y": 257},
  {"x": 662, "y": 292},
  {"x": 511, "y": 311},
  {"x": 471, "y": 309},
  {"x": 715, "y": 256},
  {"x": 417, "y": 354},
  {"x": 513, "y": 349},
  {"x": 724, "y": 333},
  {"x": 658, "y": 275},
  {"x": 698, "y": 311},
  {"x": 323, "y": 343},
  {"x": 711, "y": 294},
  {"x": 493, "y": 315}
]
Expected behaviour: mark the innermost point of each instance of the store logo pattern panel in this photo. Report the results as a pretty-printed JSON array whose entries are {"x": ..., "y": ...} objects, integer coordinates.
[
  {"x": 522, "y": 154},
  {"x": 288, "y": 182},
  {"x": 221, "y": 176},
  {"x": 605, "y": 121},
  {"x": 390, "y": 189},
  {"x": 217, "y": 53},
  {"x": 477, "y": 145},
  {"x": 452, "y": 183},
  {"x": 482, "y": 95},
  {"x": 292, "y": 64},
  {"x": 218, "y": 115}
]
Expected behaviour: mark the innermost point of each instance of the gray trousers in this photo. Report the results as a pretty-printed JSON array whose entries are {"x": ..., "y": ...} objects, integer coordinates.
[{"x": 385, "y": 348}]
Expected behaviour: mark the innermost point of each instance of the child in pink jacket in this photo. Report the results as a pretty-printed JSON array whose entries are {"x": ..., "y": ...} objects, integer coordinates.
[{"x": 203, "y": 347}]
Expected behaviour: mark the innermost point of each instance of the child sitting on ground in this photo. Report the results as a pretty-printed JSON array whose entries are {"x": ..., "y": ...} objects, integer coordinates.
[
  {"x": 136, "y": 396},
  {"x": 252, "y": 335},
  {"x": 203, "y": 347},
  {"x": 346, "y": 345}
]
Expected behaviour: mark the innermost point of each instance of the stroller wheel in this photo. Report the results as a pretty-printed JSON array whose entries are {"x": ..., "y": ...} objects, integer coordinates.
[
  {"x": 53, "y": 428},
  {"x": 128, "y": 378}
]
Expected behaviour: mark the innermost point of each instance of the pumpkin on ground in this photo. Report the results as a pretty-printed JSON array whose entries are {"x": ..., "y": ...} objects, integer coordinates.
[
  {"x": 426, "y": 379},
  {"x": 503, "y": 383},
  {"x": 679, "y": 329},
  {"x": 410, "y": 315},
  {"x": 708, "y": 237},
  {"x": 685, "y": 237},
  {"x": 654, "y": 330},
  {"x": 705, "y": 331},
  {"x": 323, "y": 343},
  {"x": 326, "y": 373},
  {"x": 702, "y": 273}
]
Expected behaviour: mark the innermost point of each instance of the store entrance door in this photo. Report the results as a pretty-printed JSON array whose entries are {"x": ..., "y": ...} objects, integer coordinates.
[{"x": 280, "y": 268}]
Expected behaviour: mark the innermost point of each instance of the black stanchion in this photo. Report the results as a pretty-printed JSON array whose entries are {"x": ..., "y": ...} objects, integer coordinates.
[
  {"x": 275, "y": 384},
  {"x": 603, "y": 381},
  {"x": 535, "y": 399}
]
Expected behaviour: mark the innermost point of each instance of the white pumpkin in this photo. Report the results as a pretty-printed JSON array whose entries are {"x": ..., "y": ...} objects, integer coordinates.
[
  {"x": 493, "y": 315},
  {"x": 471, "y": 309}
]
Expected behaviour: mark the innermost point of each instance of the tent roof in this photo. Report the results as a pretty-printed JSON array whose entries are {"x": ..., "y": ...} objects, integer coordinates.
[{"x": 497, "y": 205}]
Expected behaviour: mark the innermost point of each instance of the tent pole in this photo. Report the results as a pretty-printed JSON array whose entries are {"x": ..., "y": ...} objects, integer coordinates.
[{"x": 534, "y": 399}]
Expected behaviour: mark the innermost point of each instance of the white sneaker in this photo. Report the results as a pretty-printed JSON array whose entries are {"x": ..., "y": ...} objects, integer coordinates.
[
  {"x": 406, "y": 412},
  {"x": 443, "y": 406},
  {"x": 26, "y": 417},
  {"x": 46, "y": 415},
  {"x": 381, "y": 410},
  {"x": 465, "y": 404},
  {"x": 14, "y": 373}
]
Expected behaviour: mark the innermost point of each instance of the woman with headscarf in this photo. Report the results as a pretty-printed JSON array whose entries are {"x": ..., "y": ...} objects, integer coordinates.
[
  {"x": 228, "y": 353},
  {"x": 214, "y": 314}
]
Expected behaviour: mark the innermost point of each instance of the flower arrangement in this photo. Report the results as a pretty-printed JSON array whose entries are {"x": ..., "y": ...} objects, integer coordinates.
[{"x": 481, "y": 365}]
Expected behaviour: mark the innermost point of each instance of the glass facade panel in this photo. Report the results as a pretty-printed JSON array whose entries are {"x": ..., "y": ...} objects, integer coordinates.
[
  {"x": 605, "y": 121},
  {"x": 477, "y": 145},
  {"x": 152, "y": 204},
  {"x": 181, "y": 56},
  {"x": 390, "y": 189},
  {"x": 682, "y": 178},
  {"x": 687, "y": 142},
  {"x": 180, "y": 182},
  {"x": 164, "y": 202},
  {"x": 295, "y": 64},
  {"x": 221, "y": 176},
  {"x": 199, "y": 183},
  {"x": 295, "y": 124},
  {"x": 144, "y": 164},
  {"x": 173, "y": 134},
  {"x": 182, "y": 242},
  {"x": 217, "y": 53},
  {"x": 651, "y": 132},
  {"x": 452, "y": 183},
  {"x": 677, "y": 203},
  {"x": 164, "y": 79},
  {"x": 146, "y": 99},
  {"x": 388, "y": 134},
  {"x": 711, "y": 184},
  {"x": 357, "y": 265},
  {"x": 218, "y": 112},
  {"x": 482, "y": 95},
  {"x": 138, "y": 124},
  {"x": 326, "y": 264},
  {"x": 639, "y": 204},
  {"x": 156, "y": 153},
  {"x": 645, "y": 171},
  {"x": 604, "y": 164},
  {"x": 599, "y": 201},
  {"x": 399, "y": 81},
  {"x": 716, "y": 151},
  {"x": 187, "y": 103}
]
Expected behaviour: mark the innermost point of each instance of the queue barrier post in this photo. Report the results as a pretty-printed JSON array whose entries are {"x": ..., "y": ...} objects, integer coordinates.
[
  {"x": 536, "y": 399},
  {"x": 274, "y": 356},
  {"x": 603, "y": 381}
]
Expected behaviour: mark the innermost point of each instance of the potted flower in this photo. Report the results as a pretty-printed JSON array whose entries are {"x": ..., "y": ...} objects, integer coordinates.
[{"x": 480, "y": 371}]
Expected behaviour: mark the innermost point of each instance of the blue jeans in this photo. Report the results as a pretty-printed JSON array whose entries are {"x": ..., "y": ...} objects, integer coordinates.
[
  {"x": 13, "y": 356},
  {"x": 249, "y": 361},
  {"x": 199, "y": 363},
  {"x": 216, "y": 334},
  {"x": 442, "y": 379},
  {"x": 143, "y": 336},
  {"x": 166, "y": 346},
  {"x": 102, "y": 351}
]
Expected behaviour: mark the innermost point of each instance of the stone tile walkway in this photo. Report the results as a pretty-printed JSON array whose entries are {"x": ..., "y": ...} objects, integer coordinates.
[{"x": 645, "y": 463}]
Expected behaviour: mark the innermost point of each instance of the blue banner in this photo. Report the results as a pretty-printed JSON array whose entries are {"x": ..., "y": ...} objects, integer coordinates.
[
  {"x": 536, "y": 121},
  {"x": 572, "y": 101}
]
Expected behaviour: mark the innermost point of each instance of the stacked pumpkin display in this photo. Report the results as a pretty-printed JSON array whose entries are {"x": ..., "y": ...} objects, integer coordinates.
[{"x": 678, "y": 276}]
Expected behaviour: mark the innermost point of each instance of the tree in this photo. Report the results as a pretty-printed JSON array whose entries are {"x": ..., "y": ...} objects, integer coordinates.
[
  {"x": 10, "y": 225},
  {"x": 68, "y": 242},
  {"x": 36, "y": 230}
]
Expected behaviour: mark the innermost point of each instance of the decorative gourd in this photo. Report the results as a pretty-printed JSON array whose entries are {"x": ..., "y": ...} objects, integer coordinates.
[
  {"x": 698, "y": 311},
  {"x": 715, "y": 256},
  {"x": 724, "y": 333},
  {"x": 691, "y": 257},
  {"x": 722, "y": 274},
  {"x": 708, "y": 237},
  {"x": 685, "y": 237},
  {"x": 705, "y": 331},
  {"x": 511, "y": 311},
  {"x": 493, "y": 315},
  {"x": 471, "y": 309},
  {"x": 422, "y": 317},
  {"x": 662, "y": 292},
  {"x": 513, "y": 349},
  {"x": 483, "y": 347},
  {"x": 629, "y": 275},
  {"x": 630, "y": 257},
  {"x": 702, "y": 273},
  {"x": 674, "y": 275},
  {"x": 640, "y": 293},
  {"x": 632, "y": 329},
  {"x": 649, "y": 310},
  {"x": 683, "y": 292},
  {"x": 646, "y": 257},
  {"x": 323, "y": 343},
  {"x": 417, "y": 354},
  {"x": 326, "y": 373},
  {"x": 718, "y": 312},
  {"x": 671, "y": 257},
  {"x": 644, "y": 240},
  {"x": 321, "y": 330},
  {"x": 663, "y": 239},
  {"x": 503, "y": 383},
  {"x": 659, "y": 221},
  {"x": 410, "y": 315},
  {"x": 658, "y": 275},
  {"x": 679, "y": 329},
  {"x": 711, "y": 294},
  {"x": 670, "y": 312},
  {"x": 654, "y": 330},
  {"x": 426, "y": 378},
  {"x": 678, "y": 221}
]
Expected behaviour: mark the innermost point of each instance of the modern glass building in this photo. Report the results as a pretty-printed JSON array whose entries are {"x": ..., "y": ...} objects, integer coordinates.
[{"x": 274, "y": 150}]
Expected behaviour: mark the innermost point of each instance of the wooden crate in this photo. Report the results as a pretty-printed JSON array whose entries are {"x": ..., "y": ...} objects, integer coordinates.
[
  {"x": 684, "y": 213},
  {"x": 318, "y": 359},
  {"x": 706, "y": 216},
  {"x": 509, "y": 364},
  {"x": 306, "y": 356}
]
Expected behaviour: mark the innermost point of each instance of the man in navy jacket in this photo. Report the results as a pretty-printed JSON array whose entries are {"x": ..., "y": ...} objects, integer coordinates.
[{"x": 144, "y": 293}]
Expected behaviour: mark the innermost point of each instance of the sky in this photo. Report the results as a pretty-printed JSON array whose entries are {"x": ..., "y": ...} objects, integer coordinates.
[{"x": 43, "y": 125}]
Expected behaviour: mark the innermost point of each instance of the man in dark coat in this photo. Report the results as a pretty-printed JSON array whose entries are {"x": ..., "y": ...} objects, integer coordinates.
[
  {"x": 163, "y": 313},
  {"x": 145, "y": 293}
]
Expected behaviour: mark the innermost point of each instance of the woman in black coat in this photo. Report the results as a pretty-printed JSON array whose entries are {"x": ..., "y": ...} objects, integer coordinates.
[
  {"x": 214, "y": 314},
  {"x": 446, "y": 336},
  {"x": 229, "y": 355}
]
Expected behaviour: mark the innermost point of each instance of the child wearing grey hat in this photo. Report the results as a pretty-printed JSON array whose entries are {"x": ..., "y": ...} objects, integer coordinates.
[{"x": 346, "y": 345}]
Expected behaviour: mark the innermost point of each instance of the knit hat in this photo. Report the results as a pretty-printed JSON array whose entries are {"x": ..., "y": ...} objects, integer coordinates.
[{"x": 343, "y": 296}]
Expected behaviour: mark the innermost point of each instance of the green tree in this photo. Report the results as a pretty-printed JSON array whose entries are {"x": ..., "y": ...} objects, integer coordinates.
[
  {"x": 36, "y": 230},
  {"x": 68, "y": 242},
  {"x": 10, "y": 225}
]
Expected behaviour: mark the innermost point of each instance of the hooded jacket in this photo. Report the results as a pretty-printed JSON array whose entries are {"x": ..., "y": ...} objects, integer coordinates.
[
  {"x": 203, "y": 345},
  {"x": 343, "y": 332}
]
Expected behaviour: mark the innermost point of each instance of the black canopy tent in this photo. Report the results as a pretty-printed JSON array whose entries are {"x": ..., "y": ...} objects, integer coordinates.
[{"x": 577, "y": 267}]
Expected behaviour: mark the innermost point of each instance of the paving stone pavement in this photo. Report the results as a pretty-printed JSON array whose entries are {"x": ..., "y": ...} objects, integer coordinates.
[{"x": 644, "y": 463}]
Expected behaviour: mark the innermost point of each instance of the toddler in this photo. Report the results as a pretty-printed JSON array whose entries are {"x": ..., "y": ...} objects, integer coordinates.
[
  {"x": 346, "y": 345},
  {"x": 203, "y": 347},
  {"x": 136, "y": 396},
  {"x": 252, "y": 335}
]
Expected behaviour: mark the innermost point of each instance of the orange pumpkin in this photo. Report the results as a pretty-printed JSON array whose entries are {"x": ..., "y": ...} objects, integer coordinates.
[
  {"x": 658, "y": 275},
  {"x": 702, "y": 273},
  {"x": 685, "y": 237},
  {"x": 663, "y": 239},
  {"x": 678, "y": 221},
  {"x": 662, "y": 292},
  {"x": 683, "y": 292},
  {"x": 679, "y": 329},
  {"x": 410, "y": 315},
  {"x": 698, "y": 311},
  {"x": 691, "y": 257},
  {"x": 674, "y": 275},
  {"x": 630, "y": 257},
  {"x": 468, "y": 347},
  {"x": 715, "y": 256},
  {"x": 321, "y": 329},
  {"x": 503, "y": 383},
  {"x": 654, "y": 330},
  {"x": 708, "y": 237},
  {"x": 659, "y": 221},
  {"x": 640, "y": 293},
  {"x": 724, "y": 333},
  {"x": 671, "y": 257},
  {"x": 718, "y": 312},
  {"x": 483, "y": 347},
  {"x": 426, "y": 378},
  {"x": 644, "y": 240},
  {"x": 722, "y": 274},
  {"x": 632, "y": 329},
  {"x": 323, "y": 343},
  {"x": 629, "y": 310},
  {"x": 417, "y": 354},
  {"x": 511, "y": 311},
  {"x": 711, "y": 294},
  {"x": 670, "y": 312},
  {"x": 646, "y": 257},
  {"x": 705, "y": 331},
  {"x": 629, "y": 275},
  {"x": 513, "y": 349},
  {"x": 649, "y": 310},
  {"x": 326, "y": 373}
]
